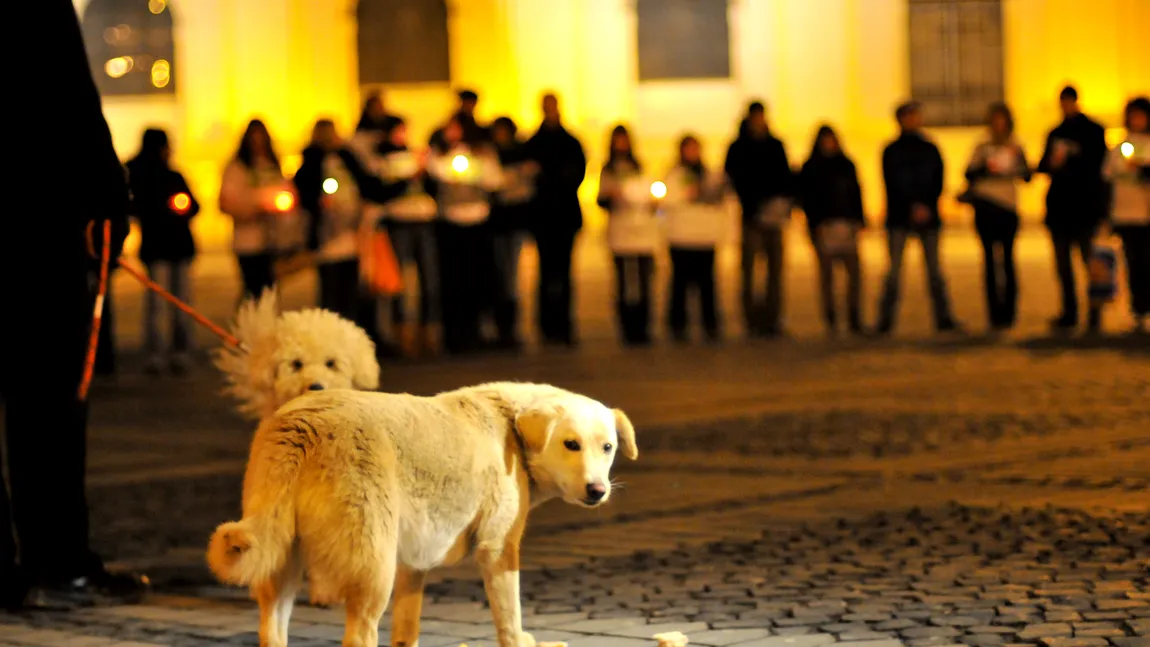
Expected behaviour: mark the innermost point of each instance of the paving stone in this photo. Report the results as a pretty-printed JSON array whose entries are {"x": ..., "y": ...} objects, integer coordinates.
[
  {"x": 1050, "y": 630},
  {"x": 929, "y": 632},
  {"x": 954, "y": 621},
  {"x": 724, "y": 637},
  {"x": 1140, "y": 641},
  {"x": 1075, "y": 642},
  {"x": 812, "y": 640}
]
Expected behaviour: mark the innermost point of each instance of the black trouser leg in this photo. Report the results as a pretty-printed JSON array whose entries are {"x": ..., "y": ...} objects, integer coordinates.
[
  {"x": 707, "y": 292},
  {"x": 680, "y": 281},
  {"x": 555, "y": 292},
  {"x": 256, "y": 272}
]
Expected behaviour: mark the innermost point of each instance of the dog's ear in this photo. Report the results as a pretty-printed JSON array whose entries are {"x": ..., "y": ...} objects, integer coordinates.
[
  {"x": 626, "y": 432},
  {"x": 364, "y": 365},
  {"x": 534, "y": 426}
]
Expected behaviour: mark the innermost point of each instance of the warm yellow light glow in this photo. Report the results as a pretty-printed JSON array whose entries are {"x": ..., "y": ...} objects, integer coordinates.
[
  {"x": 161, "y": 73},
  {"x": 180, "y": 203},
  {"x": 330, "y": 185},
  {"x": 118, "y": 66},
  {"x": 659, "y": 190},
  {"x": 460, "y": 163},
  {"x": 1127, "y": 150},
  {"x": 157, "y": 6},
  {"x": 284, "y": 201}
]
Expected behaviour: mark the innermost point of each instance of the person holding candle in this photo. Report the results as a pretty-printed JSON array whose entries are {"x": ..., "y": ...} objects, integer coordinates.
[
  {"x": 995, "y": 168},
  {"x": 695, "y": 218},
  {"x": 252, "y": 194},
  {"x": 1128, "y": 168},
  {"x": 632, "y": 235},
  {"x": 510, "y": 215},
  {"x": 164, "y": 207},
  {"x": 831, "y": 199},
  {"x": 1076, "y": 201}
]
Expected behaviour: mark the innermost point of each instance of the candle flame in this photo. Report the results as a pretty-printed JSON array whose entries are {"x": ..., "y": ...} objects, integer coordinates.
[
  {"x": 180, "y": 203},
  {"x": 460, "y": 163},
  {"x": 659, "y": 190},
  {"x": 1127, "y": 150},
  {"x": 284, "y": 201},
  {"x": 330, "y": 185}
]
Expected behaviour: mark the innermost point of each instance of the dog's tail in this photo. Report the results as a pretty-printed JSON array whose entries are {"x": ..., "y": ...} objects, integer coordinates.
[{"x": 256, "y": 547}]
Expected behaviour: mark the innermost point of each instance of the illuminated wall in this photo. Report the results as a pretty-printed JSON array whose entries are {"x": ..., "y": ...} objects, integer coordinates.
[{"x": 291, "y": 61}]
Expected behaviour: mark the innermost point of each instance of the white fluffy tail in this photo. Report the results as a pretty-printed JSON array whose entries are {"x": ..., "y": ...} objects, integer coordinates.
[{"x": 246, "y": 372}]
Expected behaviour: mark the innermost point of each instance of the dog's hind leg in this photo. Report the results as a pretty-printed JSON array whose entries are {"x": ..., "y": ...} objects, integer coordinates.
[
  {"x": 408, "y": 606},
  {"x": 364, "y": 609},
  {"x": 276, "y": 598}
]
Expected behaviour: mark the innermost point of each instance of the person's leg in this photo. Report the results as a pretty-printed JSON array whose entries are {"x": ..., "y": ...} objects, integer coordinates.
[
  {"x": 1085, "y": 244},
  {"x": 1064, "y": 265},
  {"x": 430, "y": 292},
  {"x": 896, "y": 245},
  {"x": 153, "y": 340},
  {"x": 775, "y": 264},
  {"x": 506, "y": 261},
  {"x": 752, "y": 310},
  {"x": 643, "y": 310},
  {"x": 940, "y": 300},
  {"x": 826, "y": 288},
  {"x": 545, "y": 294},
  {"x": 403, "y": 244},
  {"x": 566, "y": 306},
  {"x": 854, "y": 291},
  {"x": 1138, "y": 270},
  {"x": 990, "y": 285},
  {"x": 707, "y": 296},
  {"x": 1009, "y": 296},
  {"x": 680, "y": 279},
  {"x": 624, "y": 293},
  {"x": 178, "y": 284}
]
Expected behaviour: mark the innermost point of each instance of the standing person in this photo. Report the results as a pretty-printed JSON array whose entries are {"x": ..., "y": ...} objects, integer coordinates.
[
  {"x": 994, "y": 169},
  {"x": 1076, "y": 200},
  {"x": 832, "y": 201},
  {"x": 45, "y": 556},
  {"x": 557, "y": 220},
  {"x": 464, "y": 176},
  {"x": 164, "y": 207},
  {"x": 411, "y": 214},
  {"x": 912, "y": 169},
  {"x": 761, "y": 175},
  {"x": 1128, "y": 168},
  {"x": 248, "y": 191},
  {"x": 332, "y": 184},
  {"x": 465, "y": 115},
  {"x": 632, "y": 235},
  {"x": 694, "y": 220},
  {"x": 509, "y": 217}
]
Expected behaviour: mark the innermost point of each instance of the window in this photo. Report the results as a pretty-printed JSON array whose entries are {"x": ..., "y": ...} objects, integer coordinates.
[
  {"x": 956, "y": 63},
  {"x": 683, "y": 39},
  {"x": 403, "y": 41},
  {"x": 129, "y": 45}
]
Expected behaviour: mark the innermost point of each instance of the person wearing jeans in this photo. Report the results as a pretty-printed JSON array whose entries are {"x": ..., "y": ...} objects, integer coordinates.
[
  {"x": 913, "y": 172},
  {"x": 1076, "y": 201},
  {"x": 1128, "y": 167},
  {"x": 510, "y": 215}
]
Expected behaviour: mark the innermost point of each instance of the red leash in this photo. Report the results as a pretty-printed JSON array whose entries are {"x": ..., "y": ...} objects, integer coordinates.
[
  {"x": 98, "y": 308},
  {"x": 228, "y": 338}
]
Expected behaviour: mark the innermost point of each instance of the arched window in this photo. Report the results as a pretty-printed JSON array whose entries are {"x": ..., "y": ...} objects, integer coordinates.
[
  {"x": 403, "y": 41},
  {"x": 130, "y": 46}
]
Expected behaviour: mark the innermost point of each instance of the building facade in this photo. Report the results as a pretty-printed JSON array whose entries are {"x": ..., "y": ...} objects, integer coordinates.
[{"x": 203, "y": 68}]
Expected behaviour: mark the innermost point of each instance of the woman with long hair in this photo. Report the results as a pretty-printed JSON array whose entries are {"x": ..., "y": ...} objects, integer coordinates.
[
  {"x": 632, "y": 235},
  {"x": 164, "y": 207},
  {"x": 995, "y": 168},
  {"x": 1128, "y": 169}
]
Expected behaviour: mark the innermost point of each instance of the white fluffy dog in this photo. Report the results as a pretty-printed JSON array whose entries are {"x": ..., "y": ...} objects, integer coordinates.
[{"x": 288, "y": 354}]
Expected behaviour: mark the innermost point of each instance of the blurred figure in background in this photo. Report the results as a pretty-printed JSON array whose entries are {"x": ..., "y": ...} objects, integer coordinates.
[
  {"x": 164, "y": 207},
  {"x": 1076, "y": 200},
  {"x": 632, "y": 235},
  {"x": 557, "y": 219},
  {"x": 509, "y": 219},
  {"x": 248, "y": 192},
  {"x": 912, "y": 170},
  {"x": 694, "y": 223},
  {"x": 761, "y": 175},
  {"x": 465, "y": 116},
  {"x": 993, "y": 172},
  {"x": 1128, "y": 168},
  {"x": 832, "y": 201}
]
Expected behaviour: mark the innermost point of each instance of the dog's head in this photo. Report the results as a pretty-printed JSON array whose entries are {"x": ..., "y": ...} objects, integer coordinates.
[
  {"x": 292, "y": 353},
  {"x": 571, "y": 443}
]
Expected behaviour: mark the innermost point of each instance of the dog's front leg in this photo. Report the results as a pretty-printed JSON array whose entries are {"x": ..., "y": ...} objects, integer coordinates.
[
  {"x": 408, "y": 606},
  {"x": 501, "y": 581}
]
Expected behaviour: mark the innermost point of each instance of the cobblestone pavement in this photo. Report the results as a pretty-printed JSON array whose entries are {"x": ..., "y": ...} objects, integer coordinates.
[{"x": 799, "y": 493}]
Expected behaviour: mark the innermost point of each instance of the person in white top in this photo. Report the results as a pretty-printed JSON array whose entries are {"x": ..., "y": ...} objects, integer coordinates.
[
  {"x": 995, "y": 167},
  {"x": 254, "y": 193},
  {"x": 1128, "y": 169},
  {"x": 695, "y": 216},
  {"x": 632, "y": 235}
]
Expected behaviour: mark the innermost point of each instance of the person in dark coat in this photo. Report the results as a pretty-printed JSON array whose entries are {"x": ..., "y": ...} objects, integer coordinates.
[
  {"x": 48, "y": 312},
  {"x": 164, "y": 206},
  {"x": 831, "y": 198},
  {"x": 510, "y": 215},
  {"x": 763, "y": 181},
  {"x": 465, "y": 116},
  {"x": 1076, "y": 203},
  {"x": 557, "y": 219},
  {"x": 912, "y": 169}
]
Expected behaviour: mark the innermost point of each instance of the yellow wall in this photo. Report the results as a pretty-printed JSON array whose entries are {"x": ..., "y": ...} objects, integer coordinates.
[{"x": 845, "y": 61}]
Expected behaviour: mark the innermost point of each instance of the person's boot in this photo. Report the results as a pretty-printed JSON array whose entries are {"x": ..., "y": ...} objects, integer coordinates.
[
  {"x": 1064, "y": 322},
  {"x": 854, "y": 320},
  {"x": 830, "y": 319},
  {"x": 99, "y": 588},
  {"x": 431, "y": 343},
  {"x": 1094, "y": 321},
  {"x": 409, "y": 340}
]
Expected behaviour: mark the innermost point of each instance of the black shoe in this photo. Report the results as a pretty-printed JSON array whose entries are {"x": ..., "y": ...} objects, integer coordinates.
[
  {"x": 1094, "y": 322},
  {"x": 948, "y": 325},
  {"x": 680, "y": 337},
  {"x": 883, "y": 329},
  {"x": 102, "y": 588},
  {"x": 1064, "y": 323}
]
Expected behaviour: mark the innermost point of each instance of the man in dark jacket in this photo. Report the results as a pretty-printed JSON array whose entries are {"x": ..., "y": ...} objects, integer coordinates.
[
  {"x": 473, "y": 133},
  {"x": 45, "y": 558},
  {"x": 758, "y": 168},
  {"x": 913, "y": 172},
  {"x": 558, "y": 218},
  {"x": 1077, "y": 200}
]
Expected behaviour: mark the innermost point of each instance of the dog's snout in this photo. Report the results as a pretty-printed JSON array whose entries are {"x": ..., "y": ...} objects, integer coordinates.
[
  {"x": 315, "y": 387},
  {"x": 596, "y": 492}
]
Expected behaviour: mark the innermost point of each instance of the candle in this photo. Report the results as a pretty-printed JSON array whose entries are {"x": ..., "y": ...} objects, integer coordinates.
[
  {"x": 284, "y": 201},
  {"x": 330, "y": 185},
  {"x": 180, "y": 203},
  {"x": 460, "y": 163},
  {"x": 658, "y": 190},
  {"x": 1127, "y": 150}
]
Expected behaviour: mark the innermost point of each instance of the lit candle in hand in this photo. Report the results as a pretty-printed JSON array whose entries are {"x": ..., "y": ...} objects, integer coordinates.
[
  {"x": 180, "y": 203},
  {"x": 330, "y": 185},
  {"x": 460, "y": 164},
  {"x": 1127, "y": 150},
  {"x": 284, "y": 201},
  {"x": 658, "y": 190}
]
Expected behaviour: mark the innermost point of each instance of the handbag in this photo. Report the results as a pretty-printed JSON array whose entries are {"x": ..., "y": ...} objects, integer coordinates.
[{"x": 379, "y": 267}]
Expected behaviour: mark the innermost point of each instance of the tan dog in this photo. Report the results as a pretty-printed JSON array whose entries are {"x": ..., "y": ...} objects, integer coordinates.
[
  {"x": 369, "y": 489},
  {"x": 292, "y": 353}
]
